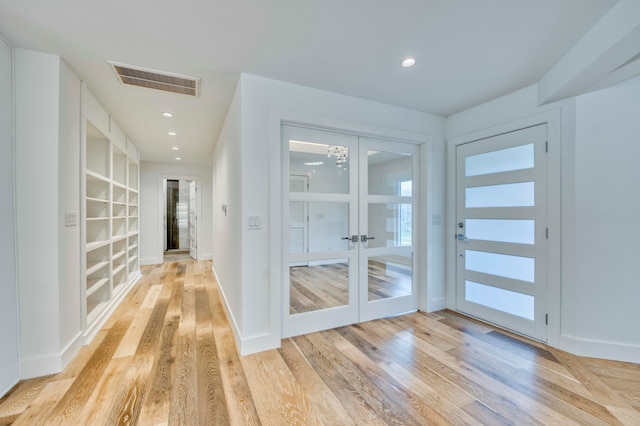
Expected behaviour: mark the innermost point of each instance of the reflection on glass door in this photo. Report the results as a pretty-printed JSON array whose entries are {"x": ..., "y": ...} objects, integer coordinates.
[
  {"x": 501, "y": 231},
  {"x": 388, "y": 194},
  {"x": 356, "y": 200},
  {"x": 322, "y": 262}
]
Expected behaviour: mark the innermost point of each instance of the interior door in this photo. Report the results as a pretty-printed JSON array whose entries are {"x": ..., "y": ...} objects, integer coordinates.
[
  {"x": 193, "y": 220},
  {"x": 388, "y": 235},
  {"x": 323, "y": 280},
  {"x": 361, "y": 201},
  {"x": 501, "y": 230}
]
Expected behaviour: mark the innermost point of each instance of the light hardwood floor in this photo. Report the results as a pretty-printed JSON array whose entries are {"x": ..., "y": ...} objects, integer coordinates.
[{"x": 167, "y": 356}]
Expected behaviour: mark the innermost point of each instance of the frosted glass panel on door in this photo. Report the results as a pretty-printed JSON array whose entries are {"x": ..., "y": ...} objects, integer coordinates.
[
  {"x": 502, "y": 230},
  {"x": 389, "y": 173},
  {"x": 320, "y": 285},
  {"x": 513, "y": 303},
  {"x": 504, "y": 160},
  {"x": 516, "y": 267},
  {"x": 390, "y": 276},
  {"x": 328, "y": 225},
  {"x": 390, "y": 224},
  {"x": 296, "y": 211},
  {"x": 327, "y": 173},
  {"x": 507, "y": 195}
]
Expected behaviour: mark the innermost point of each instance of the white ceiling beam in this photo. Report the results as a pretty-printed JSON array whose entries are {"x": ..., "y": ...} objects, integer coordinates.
[{"x": 599, "y": 59}]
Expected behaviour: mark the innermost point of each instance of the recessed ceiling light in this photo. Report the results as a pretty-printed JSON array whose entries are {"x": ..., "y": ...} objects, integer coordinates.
[
  {"x": 171, "y": 133},
  {"x": 175, "y": 148},
  {"x": 167, "y": 114},
  {"x": 409, "y": 62},
  {"x": 178, "y": 158}
]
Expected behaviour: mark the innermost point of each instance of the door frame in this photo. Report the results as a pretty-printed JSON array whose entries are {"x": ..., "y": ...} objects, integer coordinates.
[
  {"x": 552, "y": 119},
  {"x": 280, "y": 225},
  {"x": 161, "y": 207}
]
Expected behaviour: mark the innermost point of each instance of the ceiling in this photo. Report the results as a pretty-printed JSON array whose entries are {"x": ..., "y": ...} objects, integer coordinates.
[{"x": 466, "y": 52}]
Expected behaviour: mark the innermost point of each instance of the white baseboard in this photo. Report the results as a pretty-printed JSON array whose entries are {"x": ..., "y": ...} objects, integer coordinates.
[
  {"x": 40, "y": 366},
  {"x": 600, "y": 349},
  {"x": 3, "y": 392},
  {"x": 206, "y": 256},
  {"x": 151, "y": 260},
  {"x": 245, "y": 345},
  {"x": 71, "y": 350},
  {"x": 436, "y": 304}
]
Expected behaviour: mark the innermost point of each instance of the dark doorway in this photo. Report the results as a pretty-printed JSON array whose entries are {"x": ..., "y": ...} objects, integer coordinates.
[{"x": 173, "y": 241}]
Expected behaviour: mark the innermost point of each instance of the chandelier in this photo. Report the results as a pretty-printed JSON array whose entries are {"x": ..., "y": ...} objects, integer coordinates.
[{"x": 341, "y": 152}]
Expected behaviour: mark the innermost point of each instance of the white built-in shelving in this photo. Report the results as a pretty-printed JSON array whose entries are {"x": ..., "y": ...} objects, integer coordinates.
[{"x": 110, "y": 215}]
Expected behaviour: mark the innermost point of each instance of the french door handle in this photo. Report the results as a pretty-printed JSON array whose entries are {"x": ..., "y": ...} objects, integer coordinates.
[
  {"x": 461, "y": 237},
  {"x": 364, "y": 238},
  {"x": 353, "y": 238}
]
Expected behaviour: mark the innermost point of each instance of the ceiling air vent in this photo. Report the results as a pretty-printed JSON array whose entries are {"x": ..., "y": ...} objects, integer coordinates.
[{"x": 159, "y": 80}]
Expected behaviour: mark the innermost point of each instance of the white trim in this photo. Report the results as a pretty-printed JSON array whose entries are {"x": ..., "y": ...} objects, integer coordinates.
[
  {"x": 600, "y": 349},
  {"x": 225, "y": 303},
  {"x": 554, "y": 193},
  {"x": 278, "y": 117},
  {"x": 207, "y": 256},
  {"x": 161, "y": 208},
  {"x": 50, "y": 364},
  {"x": 3, "y": 392}
]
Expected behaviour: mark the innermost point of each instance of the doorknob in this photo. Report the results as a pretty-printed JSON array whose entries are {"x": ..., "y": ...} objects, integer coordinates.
[
  {"x": 353, "y": 238},
  {"x": 461, "y": 237},
  {"x": 364, "y": 238}
]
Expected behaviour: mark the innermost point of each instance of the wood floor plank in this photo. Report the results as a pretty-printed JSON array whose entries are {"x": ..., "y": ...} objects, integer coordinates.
[
  {"x": 242, "y": 410},
  {"x": 184, "y": 392},
  {"x": 286, "y": 402},
  {"x": 39, "y": 412},
  {"x": 330, "y": 409},
  {"x": 212, "y": 408},
  {"x": 19, "y": 399}
]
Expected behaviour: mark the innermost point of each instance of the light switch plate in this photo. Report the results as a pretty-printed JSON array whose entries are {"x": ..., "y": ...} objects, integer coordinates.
[
  {"x": 255, "y": 222},
  {"x": 70, "y": 218}
]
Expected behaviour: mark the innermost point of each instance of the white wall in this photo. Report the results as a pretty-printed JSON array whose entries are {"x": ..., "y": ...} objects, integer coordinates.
[
  {"x": 151, "y": 174},
  {"x": 47, "y": 184},
  {"x": 607, "y": 202},
  {"x": 69, "y": 200},
  {"x": 9, "y": 366},
  {"x": 264, "y": 104},
  {"x": 227, "y": 227}
]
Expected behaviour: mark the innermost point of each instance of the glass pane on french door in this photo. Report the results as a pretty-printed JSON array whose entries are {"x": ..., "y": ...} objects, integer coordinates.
[
  {"x": 321, "y": 212},
  {"x": 388, "y": 202},
  {"x": 501, "y": 230}
]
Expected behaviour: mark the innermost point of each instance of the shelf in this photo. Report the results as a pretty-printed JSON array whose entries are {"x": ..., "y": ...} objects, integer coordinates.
[
  {"x": 119, "y": 185},
  {"x": 119, "y": 204},
  {"x": 132, "y": 259},
  {"x": 97, "y": 218},
  {"x": 119, "y": 217},
  {"x": 118, "y": 255},
  {"x": 118, "y": 269},
  {"x": 97, "y": 200},
  {"x": 95, "y": 266},
  {"x": 95, "y": 285},
  {"x": 97, "y": 176},
  {"x": 96, "y": 245}
]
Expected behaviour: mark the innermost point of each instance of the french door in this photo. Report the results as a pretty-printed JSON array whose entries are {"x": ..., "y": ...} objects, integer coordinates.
[
  {"x": 360, "y": 203},
  {"x": 501, "y": 231}
]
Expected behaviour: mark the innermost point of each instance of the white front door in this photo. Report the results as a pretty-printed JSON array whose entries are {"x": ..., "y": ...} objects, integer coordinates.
[
  {"x": 193, "y": 220},
  {"x": 361, "y": 203},
  {"x": 501, "y": 230}
]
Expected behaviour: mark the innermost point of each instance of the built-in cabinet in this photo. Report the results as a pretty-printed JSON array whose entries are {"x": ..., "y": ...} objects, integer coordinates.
[{"x": 110, "y": 216}]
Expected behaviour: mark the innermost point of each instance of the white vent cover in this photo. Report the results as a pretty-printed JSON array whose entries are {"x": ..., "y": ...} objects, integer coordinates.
[{"x": 159, "y": 80}]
